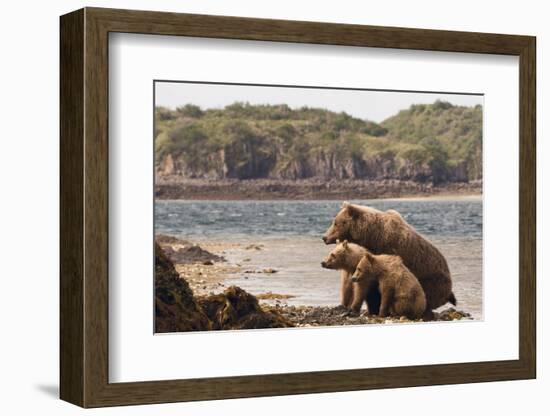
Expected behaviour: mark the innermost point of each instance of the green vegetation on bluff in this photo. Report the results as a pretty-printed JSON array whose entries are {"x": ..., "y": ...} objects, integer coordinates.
[
  {"x": 454, "y": 132},
  {"x": 427, "y": 143}
]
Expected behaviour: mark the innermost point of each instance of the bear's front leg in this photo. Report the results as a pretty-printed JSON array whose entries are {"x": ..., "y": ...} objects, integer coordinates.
[
  {"x": 373, "y": 298},
  {"x": 346, "y": 290},
  {"x": 387, "y": 299},
  {"x": 428, "y": 315},
  {"x": 359, "y": 295}
]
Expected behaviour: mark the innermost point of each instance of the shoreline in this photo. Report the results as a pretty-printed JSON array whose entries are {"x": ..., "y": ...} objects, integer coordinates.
[
  {"x": 435, "y": 197},
  {"x": 307, "y": 189},
  {"x": 208, "y": 278}
]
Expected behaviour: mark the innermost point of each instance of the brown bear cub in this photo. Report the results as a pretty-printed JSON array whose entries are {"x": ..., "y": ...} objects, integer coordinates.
[
  {"x": 388, "y": 233},
  {"x": 401, "y": 292},
  {"x": 345, "y": 257}
]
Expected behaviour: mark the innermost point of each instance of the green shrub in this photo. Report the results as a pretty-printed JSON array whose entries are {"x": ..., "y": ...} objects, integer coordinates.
[{"x": 190, "y": 110}]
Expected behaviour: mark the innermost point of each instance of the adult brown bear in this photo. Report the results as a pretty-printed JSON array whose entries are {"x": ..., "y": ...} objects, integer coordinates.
[{"x": 388, "y": 233}]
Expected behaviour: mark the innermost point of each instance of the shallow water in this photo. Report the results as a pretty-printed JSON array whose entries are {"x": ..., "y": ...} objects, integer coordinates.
[{"x": 291, "y": 231}]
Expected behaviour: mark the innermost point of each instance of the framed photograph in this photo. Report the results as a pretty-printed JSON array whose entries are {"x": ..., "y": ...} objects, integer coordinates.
[{"x": 256, "y": 207}]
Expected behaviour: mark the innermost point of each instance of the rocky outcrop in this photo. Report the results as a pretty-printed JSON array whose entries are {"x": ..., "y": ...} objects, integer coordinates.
[
  {"x": 325, "y": 165},
  {"x": 164, "y": 239},
  {"x": 191, "y": 253},
  {"x": 175, "y": 306}
]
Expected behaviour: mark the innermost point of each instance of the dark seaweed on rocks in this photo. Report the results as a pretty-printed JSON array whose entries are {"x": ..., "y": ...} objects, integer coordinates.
[
  {"x": 238, "y": 309},
  {"x": 175, "y": 306}
]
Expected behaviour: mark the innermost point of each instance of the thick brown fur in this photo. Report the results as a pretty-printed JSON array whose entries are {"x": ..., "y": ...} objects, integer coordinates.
[
  {"x": 345, "y": 258},
  {"x": 401, "y": 292},
  {"x": 388, "y": 233}
]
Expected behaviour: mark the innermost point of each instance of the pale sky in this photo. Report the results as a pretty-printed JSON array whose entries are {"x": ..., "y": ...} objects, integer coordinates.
[{"x": 364, "y": 104}]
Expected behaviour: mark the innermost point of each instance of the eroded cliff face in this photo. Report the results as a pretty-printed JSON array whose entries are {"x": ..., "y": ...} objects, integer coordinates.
[{"x": 322, "y": 165}]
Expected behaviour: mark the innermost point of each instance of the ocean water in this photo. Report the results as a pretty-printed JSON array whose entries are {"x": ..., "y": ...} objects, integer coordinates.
[{"x": 291, "y": 231}]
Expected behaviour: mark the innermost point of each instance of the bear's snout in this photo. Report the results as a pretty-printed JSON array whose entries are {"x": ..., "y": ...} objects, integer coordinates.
[
  {"x": 324, "y": 264},
  {"x": 329, "y": 239}
]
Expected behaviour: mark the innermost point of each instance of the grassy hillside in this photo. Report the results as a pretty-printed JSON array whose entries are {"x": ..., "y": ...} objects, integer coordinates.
[
  {"x": 453, "y": 131},
  {"x": 426, "y": 143}
]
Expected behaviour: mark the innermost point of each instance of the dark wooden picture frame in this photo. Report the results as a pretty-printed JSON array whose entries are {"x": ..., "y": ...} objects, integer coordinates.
[{"x": 84, "y": 207}]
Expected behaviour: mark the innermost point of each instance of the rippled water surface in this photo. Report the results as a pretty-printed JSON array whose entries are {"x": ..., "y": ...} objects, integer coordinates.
[{"x": 291, "y": 230}]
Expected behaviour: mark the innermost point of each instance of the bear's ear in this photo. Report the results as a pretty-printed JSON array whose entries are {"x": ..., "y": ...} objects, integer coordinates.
[
  {"x": 345, "y": 204},
  {"x": 368, "y": 255},
  {"x": 345, "y": 244},
  {"x": 353, "y": 211}
]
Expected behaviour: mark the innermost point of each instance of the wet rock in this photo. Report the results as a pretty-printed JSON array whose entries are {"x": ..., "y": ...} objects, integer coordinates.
[
  {"x": 163, "y": 239},
  {"x": 275, "y": 296},
  {"x": 452, "y": 314},
  {"x": 269, "y": 270},
  {"x": 254, "y": 247},
  {"x": 341, "y": 308},
  {"x": 191, "y": 254}
]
